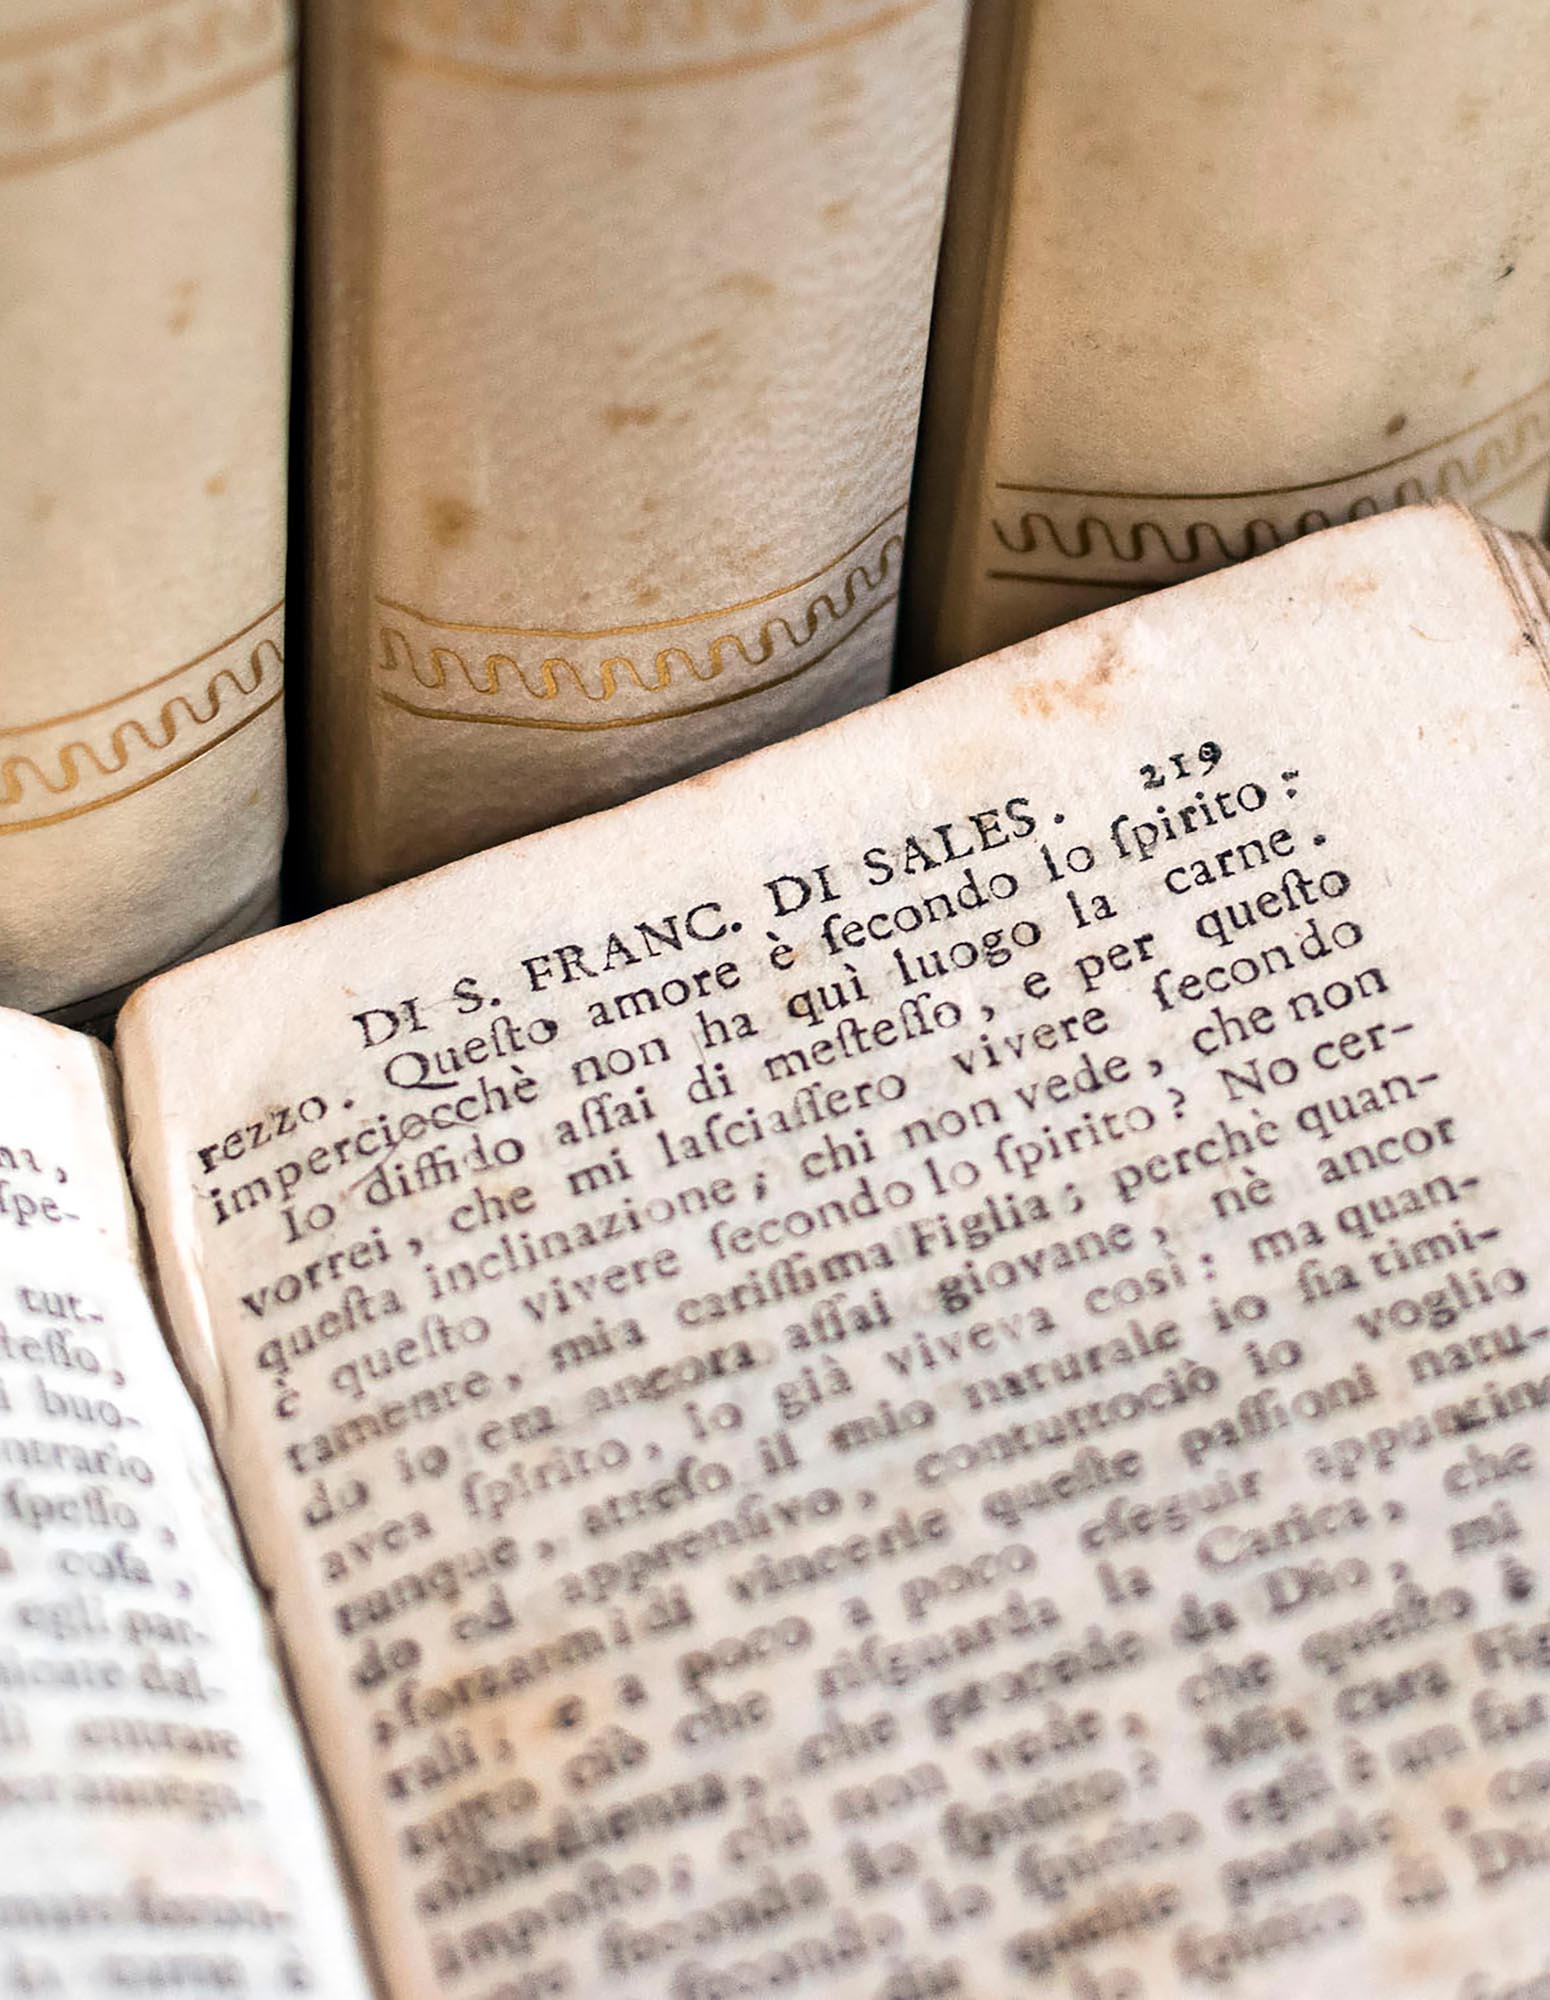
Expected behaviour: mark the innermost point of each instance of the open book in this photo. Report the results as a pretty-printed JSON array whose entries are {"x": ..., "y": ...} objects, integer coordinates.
[{"x": 914, "y": 1368}]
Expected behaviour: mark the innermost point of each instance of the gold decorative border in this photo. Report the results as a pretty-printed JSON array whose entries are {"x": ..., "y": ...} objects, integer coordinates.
[
  {"x": 129, "y": 742},
  {"x": 596, "y": 679},
  {"x": 104, "y": 78},
  {"x": 622, "y": 44},
  {"x": 1169, "y": 540},
  {"x": 91, "y": 21}
]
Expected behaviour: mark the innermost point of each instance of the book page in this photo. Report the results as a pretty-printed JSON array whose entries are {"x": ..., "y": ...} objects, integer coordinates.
[
  {"x": 918, "y": 1367},
  {"x": 158, "y": 1827}
]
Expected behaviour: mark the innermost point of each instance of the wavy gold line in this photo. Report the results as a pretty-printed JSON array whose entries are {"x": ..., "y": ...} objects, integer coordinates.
[
  {"x": 137, "y": 60},
  {"x": 724, "y": 642},
  {"x": 120, "y": 134},
  {"x": 657, "y": 715},
  {"x": 1139, "y": 584},
  {"x": 652, "y": 625},
  {"x": 1280, "y": 492},
  {"x": 458, "y": 70},
  {"x": 70, "y": 755},
  {"x": 35, "y": 41},
  {"x": 487, "y": 679},
  {"x": 1187, "y": 544},
  {"x": 85, "y": 99},
  {"x": 1134, "y": 541},
  {"x": 152, "y": 778},
  {"x": 144, "y": 687}
]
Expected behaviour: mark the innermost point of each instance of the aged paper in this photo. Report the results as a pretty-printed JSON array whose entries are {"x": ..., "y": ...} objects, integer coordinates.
[
  {"x": 158, "y": 1828},
  {"x": 145, "y": 238},
  {"x": 918, "y": 1368}
]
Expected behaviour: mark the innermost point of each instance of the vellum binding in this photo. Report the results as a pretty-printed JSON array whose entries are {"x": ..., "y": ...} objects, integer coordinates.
[
  {"x": 145, "y": 230},
  {"x": 1211, "y": 285},
  {"x": 621, "y": 318}
]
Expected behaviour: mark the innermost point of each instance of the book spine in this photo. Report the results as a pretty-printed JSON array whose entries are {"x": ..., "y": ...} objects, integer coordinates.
[
  {"x": 1248, "y": 280},
  {"x": 145, "y": 234},
  {"x": 617, "y": 371}
]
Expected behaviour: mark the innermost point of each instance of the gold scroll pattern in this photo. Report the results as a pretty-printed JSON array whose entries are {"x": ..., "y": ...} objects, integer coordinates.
[
  {"x": 1138, "y": 541},
  {"x": 109, "y": 73},
  {"x": 76, "y": 762},
  {"x": 621, "y": 676},
  {"x": 622, "y": 44}
]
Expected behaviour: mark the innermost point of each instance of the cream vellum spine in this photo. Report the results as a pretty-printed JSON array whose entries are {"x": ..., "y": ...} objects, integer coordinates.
[
  {"x": 145, "y": 244},
  {"x": 620, "y": 327}
]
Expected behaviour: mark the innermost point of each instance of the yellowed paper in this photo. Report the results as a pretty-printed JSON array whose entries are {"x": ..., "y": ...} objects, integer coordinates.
[
  {"x": 919, "y": 1366},
  {"x": 158, "y": 1829}
]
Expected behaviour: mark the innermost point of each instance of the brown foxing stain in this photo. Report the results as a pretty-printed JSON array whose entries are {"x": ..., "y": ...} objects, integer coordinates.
[
  {"x": 1114, "y": 153},
  {"x": 748, "y": 284},
  {"x": 1215, "y": 96},
  {"x": 181, "y": 318},
  {"x": 628, "y": 416},
  {"x": 450, "y": 519},
  {"x": 838, "y": 214},
  {"x": 1428, "y": 1959},
  {"x": 643, "y": 592},
  {"x": 215, "y": 485},
  {"x": 1265, "y": 267},
  {"x": 1337, "y": 104},
  {"x": 630, "y": 141},
  {"x": 1362, "y": 583},
  {"x": 1416, "y": 1962},
  {"x": 42, "y": 506},
  {"x": 839, "y": 82},
  {"x": 1046, "y": 699},
  {"x": 1395, "y": 424}
]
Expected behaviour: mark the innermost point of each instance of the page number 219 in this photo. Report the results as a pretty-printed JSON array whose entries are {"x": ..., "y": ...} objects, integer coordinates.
[{"x": 1181, "y": 764}]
